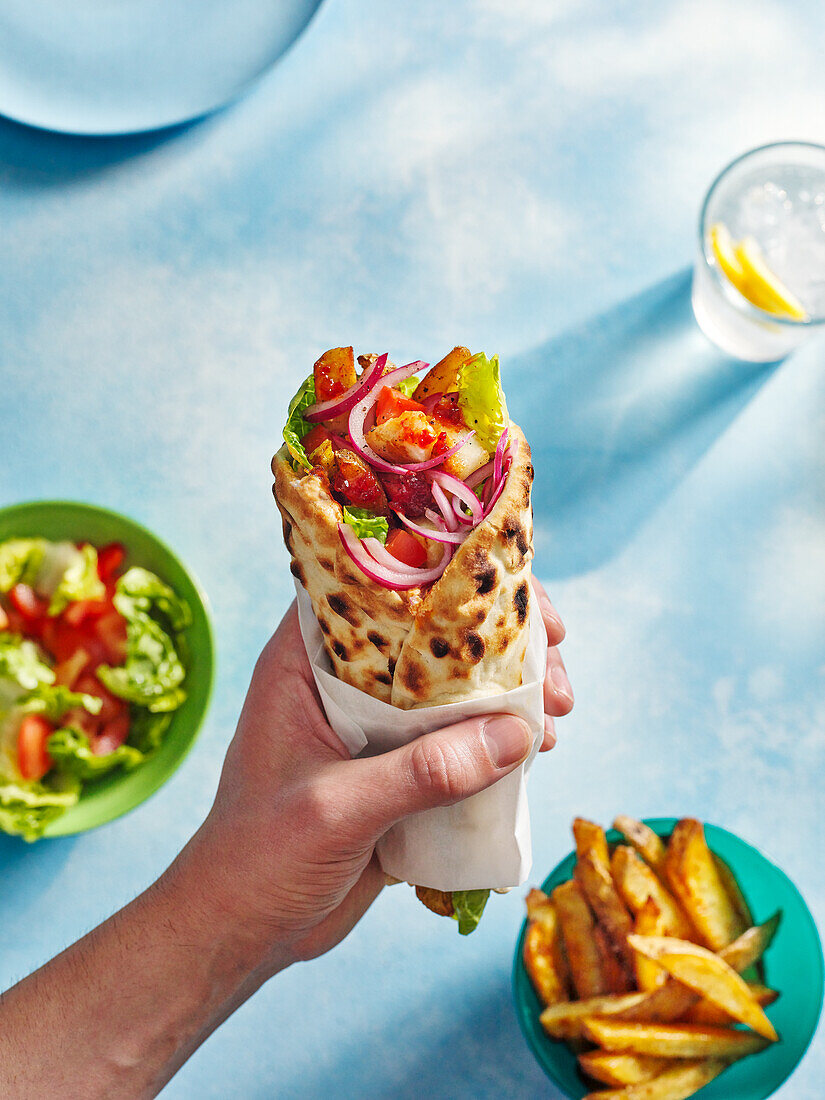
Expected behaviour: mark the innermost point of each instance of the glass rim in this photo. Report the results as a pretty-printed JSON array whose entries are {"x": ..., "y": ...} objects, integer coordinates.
[{"x": 742, "y": 303}]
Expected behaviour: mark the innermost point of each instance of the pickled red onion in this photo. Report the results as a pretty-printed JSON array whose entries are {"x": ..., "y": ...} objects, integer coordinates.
[{"x": 326, "y": 410}]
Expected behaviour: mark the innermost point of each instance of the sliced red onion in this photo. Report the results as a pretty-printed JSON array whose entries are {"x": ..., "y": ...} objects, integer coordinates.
[
  {"x": 499, "y": 457},
  {"x": 458, "y": 489},
  {"x": 389, "y": 577},
  {"x": 378, "y": 551},
  {"x": 429, "y": 403},
  {"x": 327, "y": 410},
  {"x": 498, "y": 487},
  {"x": 437, "y": 534},
  {"x": 479, "y": 475},
  {"x": 446, "y": 509}
]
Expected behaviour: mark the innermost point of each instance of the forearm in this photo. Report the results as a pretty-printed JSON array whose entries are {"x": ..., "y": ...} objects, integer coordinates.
[{"x": 119, "y": 1012}]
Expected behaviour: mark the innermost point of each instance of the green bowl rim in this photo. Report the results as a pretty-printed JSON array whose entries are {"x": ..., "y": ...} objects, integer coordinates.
[
  {"x": 613, "y": 836},
  {"x": 105, "y": 512}
]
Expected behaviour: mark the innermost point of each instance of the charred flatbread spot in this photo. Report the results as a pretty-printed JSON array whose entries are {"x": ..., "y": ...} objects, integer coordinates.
[
  {"x": 342, "y": 607},
  {"x": 324, "y": 626},
  {"x": 325, "y": 563},
  {"x": 486, "y": 580},
  {"x": 391, "y": 665},
  {"x": 340, "y": 651},
  {"x": 378, "y": 640},
  {"x": 288, "y": 536},
  {"x": 413, "y": 676},
  {"x": 297, "y": 571},
  {"x": 383, "y": 678},
  {"x": 514, "y": 532},
  {"x": 502, "y": 622},
  {"x": 475, "y": 646},
  {"x": 439, "y": 647},
  {"x": 520, "y": 600},
  {"x": 503, "y": 642}
]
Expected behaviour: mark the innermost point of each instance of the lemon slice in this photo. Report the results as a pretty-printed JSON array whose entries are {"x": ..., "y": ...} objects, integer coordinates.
[
  {"x": 768, "y": 285},
  {"x": 744, "y": 264}
]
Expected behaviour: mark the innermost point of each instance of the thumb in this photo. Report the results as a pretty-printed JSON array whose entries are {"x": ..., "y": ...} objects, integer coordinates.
[{"x": 439, "y": 768}]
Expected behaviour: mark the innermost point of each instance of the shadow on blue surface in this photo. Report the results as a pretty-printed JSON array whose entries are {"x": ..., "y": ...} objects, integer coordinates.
[
  {"x": 28, "y": 869},
  {"x": 617, "y": 411}
]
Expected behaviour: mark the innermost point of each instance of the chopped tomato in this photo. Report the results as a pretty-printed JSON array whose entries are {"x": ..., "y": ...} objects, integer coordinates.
[
  {"x": 26, "y": 601},
  {"x": 109, "y": 560},
  {"x": 406, "y": 547},
  {"x": 80, "y": 719},
  {"x": 447, "y": 408},
  {"x": 32, "y": 757},
  {"x": 68, "y": 671},
  {"x": 112, "y": 706},
  {"x": 334, "y": 373},
  {"x": 356, "y": 483},
  {"x": 80, "y": 610},
  {"x": 112, "y": 736},
  {"x": 392, "y": 403},
  {"x": 111, "y": 630},
  {"x": 315, "y": 437}
]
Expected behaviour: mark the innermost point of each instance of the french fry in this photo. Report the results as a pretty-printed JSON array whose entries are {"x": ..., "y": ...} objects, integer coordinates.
[
  {"x": 640, "y": 836},
  {"x": 671, "y": 1040},
  {"x": 710, "y": 1015},
  {"x": 580, "y": 946},
  {"x": 733, "y": 890},
  {"x": 544, "y": 958},
  {"x": 649, "y": 922},
  {"x": 677, "y": 1083},
  {"x": 617, "y": 977},
  {"x": 693, "y": 877},
  {"x": 590, "y": 837},
  {"x": 593, "y": 875},
  {"x": 443, "y": 377},
  {"x": 636, "y": 882},
  {"x": 564, "y": 1020},
  {"x": 621, "y": 1069},
  {"x": 707, "y": 975},
  {"x": 749, "y": 948}
]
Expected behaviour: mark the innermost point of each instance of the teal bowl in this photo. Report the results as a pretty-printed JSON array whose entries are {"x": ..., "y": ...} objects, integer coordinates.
[
  {"x": 793, "y": 965},
  {"x": 115, "y": 794}
]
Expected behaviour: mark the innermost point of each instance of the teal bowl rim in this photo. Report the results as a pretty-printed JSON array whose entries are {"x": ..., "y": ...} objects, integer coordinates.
[
  {"x": 107, "y": 513},
  {"x": 662, "y": 826}
]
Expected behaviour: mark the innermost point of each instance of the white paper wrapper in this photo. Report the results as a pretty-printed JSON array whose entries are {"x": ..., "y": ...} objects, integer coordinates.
[{"x": 479, "y": 843}]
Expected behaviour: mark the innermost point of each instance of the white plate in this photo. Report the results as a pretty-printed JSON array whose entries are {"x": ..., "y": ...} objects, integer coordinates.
[{"x": 126, "y": 66}]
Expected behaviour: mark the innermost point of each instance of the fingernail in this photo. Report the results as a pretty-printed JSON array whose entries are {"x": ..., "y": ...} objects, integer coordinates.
[
  {"x": 560, "y": 682},
  {"x": 550, "y": 614},
  {"x": 508, "y": 741},
  {"x": 549, "y": 732}
]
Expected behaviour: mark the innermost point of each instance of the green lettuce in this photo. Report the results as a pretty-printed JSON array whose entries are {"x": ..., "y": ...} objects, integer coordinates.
[
  {"x": 468, "y": 905},
  {"x": 146, "y": 730},
  {"x": 366, "y": 523},
  {"x": 78, "y": 581},
  {"x": 22, "y": 663},
  {"x": 296, "y": 427},
  {"x": 153, "y": 671},
  {"x": 20, "y": 561},
  {"x": 407, "y": 386},
  {"x": 481, "y": 399},
  {"x": 72, "y": 754},
  {"x": 27, "y": 808}
]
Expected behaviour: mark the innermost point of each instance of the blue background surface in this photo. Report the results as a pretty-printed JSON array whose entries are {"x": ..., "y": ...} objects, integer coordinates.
[{"x": 523, "y": 178}]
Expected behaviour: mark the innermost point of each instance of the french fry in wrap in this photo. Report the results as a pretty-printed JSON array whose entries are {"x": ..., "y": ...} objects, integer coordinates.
[{"x": 406, "y": 510}]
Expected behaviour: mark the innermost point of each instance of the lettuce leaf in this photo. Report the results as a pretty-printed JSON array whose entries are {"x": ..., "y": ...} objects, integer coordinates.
[
  {"x": 153, "y": 671},
  {"x": 21, "y": 662},
  {"x": 20, "y": 561},
  {"x": 468, "y": 905},
  {"x": 72, "y": 753},
  {"x": 407, "y": 386},
  {"x": 78, "y": 579},
  {"x": 27, "y": 808},
  {"x": 146, "y": 730},
  {"x": 296, "y": 427},
  {"x": 481, "y": 399},
  {"x": 54, "y": 700},
  {"x": 366, "y": 523}
]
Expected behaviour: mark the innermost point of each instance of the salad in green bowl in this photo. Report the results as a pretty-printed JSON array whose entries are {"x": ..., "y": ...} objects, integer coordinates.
[{"x": 93, "y": 665}]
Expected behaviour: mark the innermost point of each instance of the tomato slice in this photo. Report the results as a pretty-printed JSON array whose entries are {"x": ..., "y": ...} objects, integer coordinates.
[
  {"x": 112, "y": 736},
  {"x": 25, "y": 600},
  {"x": 77, "y": 612},
  {"x": 392, "y": 403},
  {"x": 315, "y": 437},
  {"x": 111, "y": 631},
  {"x": 32, "y": 757},
  {"x": 406, "y": 547},
  {"x": 109, "y": 560}
]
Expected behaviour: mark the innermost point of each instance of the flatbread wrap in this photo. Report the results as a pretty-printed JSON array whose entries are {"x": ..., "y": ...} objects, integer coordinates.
[{"x": 405, "y": 500}]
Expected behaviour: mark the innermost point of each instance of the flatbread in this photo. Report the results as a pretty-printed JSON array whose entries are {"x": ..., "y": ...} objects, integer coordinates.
[{"x": 463, "y": 638}]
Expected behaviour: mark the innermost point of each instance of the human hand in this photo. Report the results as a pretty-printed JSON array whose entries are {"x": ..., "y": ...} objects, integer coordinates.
[{"x": 288, "y": 848}]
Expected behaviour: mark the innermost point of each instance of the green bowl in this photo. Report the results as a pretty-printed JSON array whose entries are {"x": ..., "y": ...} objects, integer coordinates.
[
  {"x": 115, "y": 794},
  {"x": 793, "y": 965}
]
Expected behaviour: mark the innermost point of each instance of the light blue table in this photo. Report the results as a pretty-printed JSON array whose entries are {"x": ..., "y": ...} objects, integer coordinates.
[{"x": 524, "y": 178}]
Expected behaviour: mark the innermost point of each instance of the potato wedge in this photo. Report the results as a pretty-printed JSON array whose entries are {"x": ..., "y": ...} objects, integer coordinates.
[
  {"x": 544, "y": 958},
  {"x": 621, "y": 1069},
  {"x": 334, "y": 373},
  {"x": 677, "y": 1083},
  {"x": 443, "y": 377},
  {"x": 582, "y": 952},
  {"x": 564, "y": 1020},
  {"x": 641, "y": 837},
  {"x": 636, "y": 882},
  {"x": 671, "y": 1040},
  {"x": 618, "y": 978},
  {"x": 693, "y": 877},
  {"x": 707, "y": 975},
  {"x": 593, "y": 875},
  {"x": 711, "y": 1015},
  {"x": 749, "y": 948},
  {"x": 733, "y": 890},
  {"x": 649, "y": 922},
  {"x": 590, "y": 837}
]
